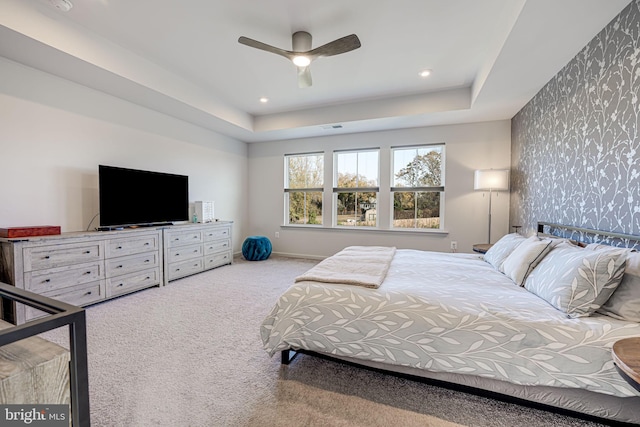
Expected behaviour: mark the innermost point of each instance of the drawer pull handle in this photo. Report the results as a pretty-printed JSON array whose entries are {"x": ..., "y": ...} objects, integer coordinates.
[
  {"x": 119, "y": 266},
  {"x": 87, "y": 252},
  {"x": 195, "y": 237},
  {"x": 121, "y": 284},
  {"x": 147, "y": 260},
  {"x": 47, "y": 257},
  {"x": 224, "y": 245},
  {"x": 178, "y": 254},
  {"x": 46, "y": 280},
  {"x": 146, "y": 244},
  {"x": 177, "y": 269},
  {"x": 147, "y": 278},
  {"x": 195, "y": 251},
  {"x": 118, "y": 247},
  {"x": 88, "y": 293},
  {"x": 87, "y": 272}
]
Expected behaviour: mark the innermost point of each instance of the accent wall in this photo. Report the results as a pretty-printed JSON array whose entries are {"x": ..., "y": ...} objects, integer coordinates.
[{"x": 576, "y": 145}]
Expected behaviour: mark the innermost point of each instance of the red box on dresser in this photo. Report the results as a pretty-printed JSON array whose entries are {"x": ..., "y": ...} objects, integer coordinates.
[{"x": 40, "y": 230}]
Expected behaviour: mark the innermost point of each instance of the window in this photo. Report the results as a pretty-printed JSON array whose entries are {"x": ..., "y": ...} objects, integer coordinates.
[
  {"x": 356, "y": 188},
  {"x": 418, "y": 186},
  {"x": 303, "y": 188}
]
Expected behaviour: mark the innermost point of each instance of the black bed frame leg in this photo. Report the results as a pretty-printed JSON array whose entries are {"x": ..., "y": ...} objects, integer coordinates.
[{"x": 287, "y": 356}]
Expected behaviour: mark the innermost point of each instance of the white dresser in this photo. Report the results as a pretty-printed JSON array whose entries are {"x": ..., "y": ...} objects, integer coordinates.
[
  {"x": 82, "y": 268},
  {"x": 193, "y": 248}
]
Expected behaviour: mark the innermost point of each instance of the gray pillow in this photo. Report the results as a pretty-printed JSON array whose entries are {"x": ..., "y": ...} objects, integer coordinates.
[
  {"x": 502, "y": 249},
  {"x": 577, "y": 281},
  {"x": 624, "y": 304}
]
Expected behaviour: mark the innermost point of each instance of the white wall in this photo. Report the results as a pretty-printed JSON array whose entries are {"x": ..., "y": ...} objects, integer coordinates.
[
  {"x": 468, "y": 147},
  {"x": 54, "y": 134}
]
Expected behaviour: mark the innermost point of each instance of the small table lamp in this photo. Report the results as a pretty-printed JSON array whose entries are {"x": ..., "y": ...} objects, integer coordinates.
[{"x": 491, "y": 180}]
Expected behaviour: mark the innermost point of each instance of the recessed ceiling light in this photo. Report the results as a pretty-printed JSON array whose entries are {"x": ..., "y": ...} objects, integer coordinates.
[
  {"x": 264, "y": 99},
  {"x": 425, "y": 73}
]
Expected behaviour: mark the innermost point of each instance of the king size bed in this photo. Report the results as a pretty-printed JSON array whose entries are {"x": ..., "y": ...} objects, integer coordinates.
[{"x": 534, "y": 319}]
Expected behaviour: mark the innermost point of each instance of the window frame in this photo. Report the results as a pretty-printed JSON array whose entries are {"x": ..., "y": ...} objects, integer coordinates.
[
  {"x": 336, "y": 190},
  {"x": 417, "y": 189},
  {"x": 288, "y": 190}
]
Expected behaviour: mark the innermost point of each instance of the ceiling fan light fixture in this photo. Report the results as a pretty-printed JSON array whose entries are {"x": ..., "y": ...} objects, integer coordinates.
[
  {"x": 301, "y": 60},
  {"x": 264, "y": 99},
  {"x": 425, "y": 73}
]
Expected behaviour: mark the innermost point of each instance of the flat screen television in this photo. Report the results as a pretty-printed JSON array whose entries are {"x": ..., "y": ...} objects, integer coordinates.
[{"x": 137, "y": 197}]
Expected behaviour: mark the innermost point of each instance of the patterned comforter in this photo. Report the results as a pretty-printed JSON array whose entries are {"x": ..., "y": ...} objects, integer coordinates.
[{"x": 455, "y": 313}]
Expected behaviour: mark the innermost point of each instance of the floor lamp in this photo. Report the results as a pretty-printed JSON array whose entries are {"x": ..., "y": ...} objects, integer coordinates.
[{"x": 491, "y": 180}]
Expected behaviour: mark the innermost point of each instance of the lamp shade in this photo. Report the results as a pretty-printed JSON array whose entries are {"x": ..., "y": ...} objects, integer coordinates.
[{"x": 491, "y": 179}]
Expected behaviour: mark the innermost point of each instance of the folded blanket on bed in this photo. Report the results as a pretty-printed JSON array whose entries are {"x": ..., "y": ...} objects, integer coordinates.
[{"x": 355, "y": 265}]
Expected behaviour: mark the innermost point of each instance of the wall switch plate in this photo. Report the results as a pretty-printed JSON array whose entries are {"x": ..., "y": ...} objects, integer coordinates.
[
  {"x": 277, "y": 234},
  {"x": 454, "y": 245}
]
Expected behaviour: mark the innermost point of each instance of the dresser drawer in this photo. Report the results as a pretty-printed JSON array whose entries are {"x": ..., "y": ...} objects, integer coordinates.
[
  {"x": 217, "y": 246},
  {"x": 129, "y": 246},
  {"x": 133, "y": 281},
  {"x": 184, "y": 238},
  {"x": 41, "y": 281},
  {"x": 217, "y": 233},
  {"x": 181, "y": 269},
  {"x": 40, "y": 258},
  {"x": 78, "y": 295},
  {"x": 184, "y": 252},
  {"x": 217, "y": 260},
  {"x": 131, "y": 263}
]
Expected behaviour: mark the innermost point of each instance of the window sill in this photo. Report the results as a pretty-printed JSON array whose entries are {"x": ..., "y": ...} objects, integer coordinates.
[{"x": 342, "y": 229}]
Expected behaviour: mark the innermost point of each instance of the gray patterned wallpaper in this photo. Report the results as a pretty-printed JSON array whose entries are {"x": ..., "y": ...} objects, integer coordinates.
[{"x": 576, "y": 145}]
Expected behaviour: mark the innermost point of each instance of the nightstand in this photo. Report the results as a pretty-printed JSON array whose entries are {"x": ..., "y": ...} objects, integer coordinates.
[
  {"x": 482, "y": 248},
  {"x": 626, "y": 357}
]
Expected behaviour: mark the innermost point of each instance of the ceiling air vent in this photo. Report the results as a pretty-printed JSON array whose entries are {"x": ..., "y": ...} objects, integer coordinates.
[{"x": 63, "y": 5}]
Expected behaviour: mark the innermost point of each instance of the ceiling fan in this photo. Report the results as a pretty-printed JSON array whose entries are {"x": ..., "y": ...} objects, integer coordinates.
[{"x": 302, "y": 55}]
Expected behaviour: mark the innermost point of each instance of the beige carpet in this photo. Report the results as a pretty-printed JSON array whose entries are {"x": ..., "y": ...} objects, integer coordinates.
[{"x": 189, "y": 354}]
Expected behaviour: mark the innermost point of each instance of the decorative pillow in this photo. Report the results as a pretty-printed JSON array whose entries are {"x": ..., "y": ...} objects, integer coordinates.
[
  {"x": 502, "y": 249},
  {"x": 524, "y": 258},
  {"x": 624, "y": 304},
  {"x": 577, "y": 281},
  {"x": 595, "y": 246}
]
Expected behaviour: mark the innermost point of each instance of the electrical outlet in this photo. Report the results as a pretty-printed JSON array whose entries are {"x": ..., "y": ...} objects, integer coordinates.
[
  {"x": 277, "y": 234},
  {"x": 454, "y": 245}
]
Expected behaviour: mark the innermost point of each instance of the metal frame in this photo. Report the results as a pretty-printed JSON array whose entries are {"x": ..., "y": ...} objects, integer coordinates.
[
  {"x": 599, "y": 236},
  {"x": 61, "y": 314}
]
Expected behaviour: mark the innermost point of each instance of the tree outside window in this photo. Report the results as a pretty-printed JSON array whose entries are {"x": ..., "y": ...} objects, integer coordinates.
[
  {"x": 418, "y": 186},
  {"x": 303, "y": 188}
]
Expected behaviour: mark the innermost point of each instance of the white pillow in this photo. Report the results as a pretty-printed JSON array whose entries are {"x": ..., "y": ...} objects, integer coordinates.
[
  {"x": 524, "y": 258},
  {"x": 502, "y": 249}
]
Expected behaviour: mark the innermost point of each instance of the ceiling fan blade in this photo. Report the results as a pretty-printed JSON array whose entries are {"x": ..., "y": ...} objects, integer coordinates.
[
  {"x": 263, "y": 46},
  {"x": 336, "y": 47},
  {"x": 304, "y": 77}
]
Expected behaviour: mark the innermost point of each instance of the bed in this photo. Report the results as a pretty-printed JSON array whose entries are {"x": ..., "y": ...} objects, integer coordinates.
[{"x": 484, "y": 322}]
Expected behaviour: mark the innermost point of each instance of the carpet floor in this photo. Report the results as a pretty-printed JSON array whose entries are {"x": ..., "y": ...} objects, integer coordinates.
[{"x": 190, "y": 354}]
